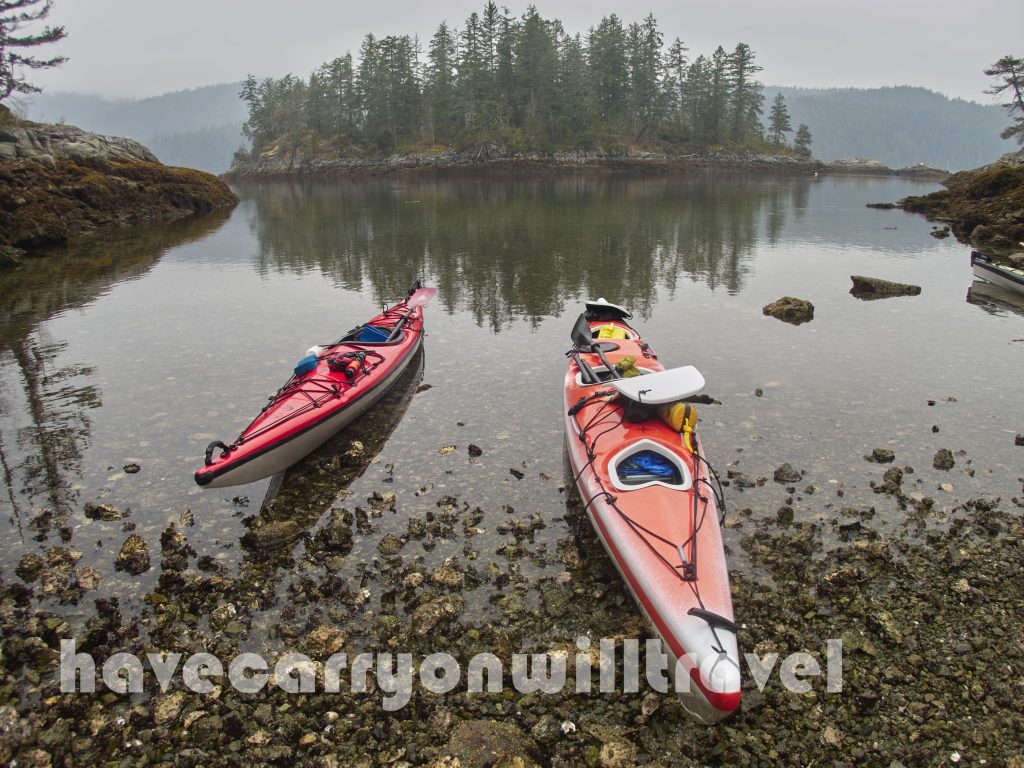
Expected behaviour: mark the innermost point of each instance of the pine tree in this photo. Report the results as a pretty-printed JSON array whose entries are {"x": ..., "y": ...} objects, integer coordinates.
[
  {"x": 535, "y": 68},
  {"x": 778, "y": 120},
  {"x": 575, "y": 102},
  {"x": 607, "y": 52},
  {"x": 646, "y": 102},
  {"x": 439, "y": 85},
  {"x": 746, "y": 94},
  {"x": 1010, "y": 70},
  {"x": 802, "y": 142},
  {"x": 674, "y": 67},
  {"x": 719, "y": 97},
  {"x": 15, "y": 14},
  {"x": 344, "y": 113}
]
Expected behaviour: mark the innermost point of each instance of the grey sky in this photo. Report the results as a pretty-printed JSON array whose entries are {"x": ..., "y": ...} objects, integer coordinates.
[{"x": 136, "y": 48}]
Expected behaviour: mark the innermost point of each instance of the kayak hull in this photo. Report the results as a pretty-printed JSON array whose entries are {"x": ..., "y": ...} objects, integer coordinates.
[
  {"x": 649, "y": 531},
  {"x": 279, "y": 456},
  {"x": 1005, "y": 277},
  {"x": 315, "y": 405}
]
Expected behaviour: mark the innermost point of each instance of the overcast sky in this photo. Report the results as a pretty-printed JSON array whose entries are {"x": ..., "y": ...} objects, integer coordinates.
[{"x": 135, "y": 48}]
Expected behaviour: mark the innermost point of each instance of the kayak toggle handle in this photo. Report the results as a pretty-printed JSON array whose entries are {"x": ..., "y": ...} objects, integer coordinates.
[
  {"x": 225, "y": 451},
  {"x": 714, "y": 619}
]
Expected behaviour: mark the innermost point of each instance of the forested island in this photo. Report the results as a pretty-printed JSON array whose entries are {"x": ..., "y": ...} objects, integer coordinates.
[{"x": 503, "y": 86}]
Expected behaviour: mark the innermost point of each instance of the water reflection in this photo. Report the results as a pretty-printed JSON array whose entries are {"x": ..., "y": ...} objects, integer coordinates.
[
  {"x": 994, "y": 299},
  {"x": 46, "y": 398},
  {"x": 523, "y": 248}
]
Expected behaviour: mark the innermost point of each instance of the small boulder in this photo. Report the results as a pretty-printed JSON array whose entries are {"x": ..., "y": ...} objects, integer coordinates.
[
  {"x": 943, "y": 459},
  {"x": 272, "y": 535},
  {"x": 786, "y": 474},
  {"x": 134, "y": 555},
  {"x": 876, "y": 288},
  {"x": 881, "y": 456},
  {"x": 104, "y": 512},
  {"x": 790, "y": 310}
]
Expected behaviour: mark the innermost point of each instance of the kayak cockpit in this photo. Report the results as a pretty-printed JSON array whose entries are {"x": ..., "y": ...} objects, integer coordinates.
[{"x": 646, "y": 463}]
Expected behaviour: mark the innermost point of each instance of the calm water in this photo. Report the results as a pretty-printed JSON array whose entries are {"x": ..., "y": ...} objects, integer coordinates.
[{"x": 142, "y": 347}]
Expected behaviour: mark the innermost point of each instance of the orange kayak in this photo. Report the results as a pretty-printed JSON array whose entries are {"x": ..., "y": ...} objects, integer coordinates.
[{"x": 653, "y": 499}]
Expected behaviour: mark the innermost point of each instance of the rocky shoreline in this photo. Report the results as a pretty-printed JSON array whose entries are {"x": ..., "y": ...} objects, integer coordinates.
[
  {"x": 58, "y": 182},
  {"x": 278, "y": 163},
  {"x": 927, "y": 615},
  {"x": 984, "y": 207}
]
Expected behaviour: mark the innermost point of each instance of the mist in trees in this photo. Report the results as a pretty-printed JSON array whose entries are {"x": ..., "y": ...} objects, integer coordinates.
[{"x": 518, "y": 82}]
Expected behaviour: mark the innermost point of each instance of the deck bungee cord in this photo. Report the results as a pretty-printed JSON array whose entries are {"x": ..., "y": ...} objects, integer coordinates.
[
  {"x": 332, "y": 385},
  {"x": 686, "y": 570}
]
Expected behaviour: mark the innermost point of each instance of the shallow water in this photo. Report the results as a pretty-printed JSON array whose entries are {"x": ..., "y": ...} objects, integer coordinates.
[{"x": 142, "y": 347}]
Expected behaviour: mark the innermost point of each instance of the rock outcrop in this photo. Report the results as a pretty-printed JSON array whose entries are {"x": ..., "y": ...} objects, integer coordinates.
[
  {"x": 984, "y": 207},
  {"x": 58, "y": 182},
  {"x": 49, "y": 143},
  {"x": 279, "y": 162}
]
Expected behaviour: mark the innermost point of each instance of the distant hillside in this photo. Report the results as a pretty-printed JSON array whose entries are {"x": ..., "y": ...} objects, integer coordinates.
[
  {"x": 201, "y": 127},
  {"x": 900, "y": 126},
  {"x": 198, "y": 128}
]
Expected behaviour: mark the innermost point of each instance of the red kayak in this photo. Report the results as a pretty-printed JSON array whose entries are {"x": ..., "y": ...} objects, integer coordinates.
[
  {"x": 329, "y": 388},
  {"x": 653, "y": 499}
]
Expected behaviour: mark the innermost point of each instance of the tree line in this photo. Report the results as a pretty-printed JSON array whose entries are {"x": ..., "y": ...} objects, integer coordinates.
[{"x": 523, "y": 83}]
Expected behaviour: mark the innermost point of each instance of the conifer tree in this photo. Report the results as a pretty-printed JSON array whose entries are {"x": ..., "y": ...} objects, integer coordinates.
[
  {"x": 1010, "y": 71},
  {"x": 802, "y": 142},
  {"x": 778, "y": 120},
  {"x": 607, "y": 51},
  {"x": 439, "y": 85},
  {"x": 14, "y": 15},
  {"x": 746, "y": 95}
]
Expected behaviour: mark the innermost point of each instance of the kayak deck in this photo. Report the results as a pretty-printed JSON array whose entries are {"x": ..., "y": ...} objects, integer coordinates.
[
  {"x": 328, "y": 390},
  {"x": 661, "y": 529}
]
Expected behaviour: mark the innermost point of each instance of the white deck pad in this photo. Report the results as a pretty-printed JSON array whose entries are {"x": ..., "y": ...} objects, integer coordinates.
[{"x": 661, "y": 387}]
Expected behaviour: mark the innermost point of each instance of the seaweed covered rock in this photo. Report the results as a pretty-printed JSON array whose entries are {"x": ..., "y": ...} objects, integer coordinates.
[
  {"x": 790, "y": 310},
  {"x": 984, "y": 206},
  {"x": 58, "y": 182},
  {"x": 877, "y": 288}
]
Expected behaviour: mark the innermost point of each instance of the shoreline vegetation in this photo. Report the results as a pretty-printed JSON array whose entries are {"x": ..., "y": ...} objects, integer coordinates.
[
  {"x": 278, "y": 163},
  {"x": 59, "y": 183}
]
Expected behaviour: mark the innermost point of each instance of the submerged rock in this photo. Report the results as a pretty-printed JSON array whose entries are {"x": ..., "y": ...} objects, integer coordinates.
[
  {"x": 790, "y": 310},
  {"x": 104, "y": 512},
  {"x": 272, "y": 535},
  {"x": 786, "y": 474},
  {"x": 877, "y": 288},
  {"x": 429, "y": 615},
  {"x": 943, "y": 459},
  {"x": 485, "y": 743},
  {"x": 134, "y": 555},
  {"x": 881, "y": 456}
]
